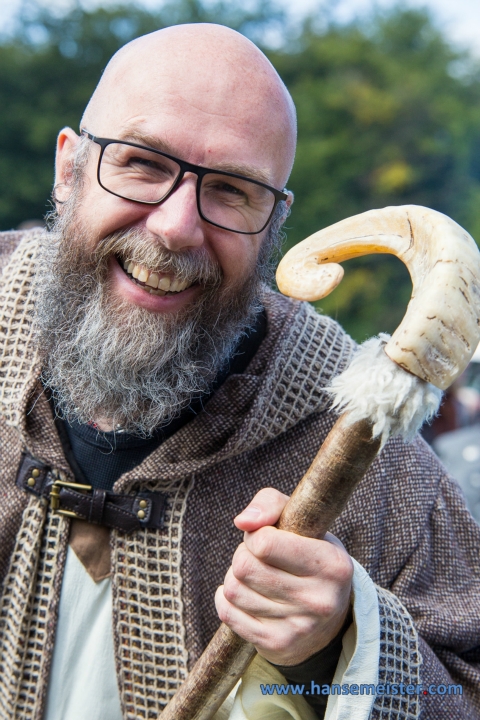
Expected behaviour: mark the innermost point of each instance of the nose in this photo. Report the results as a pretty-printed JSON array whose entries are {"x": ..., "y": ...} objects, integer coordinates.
[{"x": 176, "y": 221}]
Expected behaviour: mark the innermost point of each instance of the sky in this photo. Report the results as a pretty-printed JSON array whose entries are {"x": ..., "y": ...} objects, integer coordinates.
[{"x": 459, "y": 19}]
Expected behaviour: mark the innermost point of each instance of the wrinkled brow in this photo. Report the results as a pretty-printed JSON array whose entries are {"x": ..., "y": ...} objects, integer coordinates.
[{"x": 249, "y": 171}]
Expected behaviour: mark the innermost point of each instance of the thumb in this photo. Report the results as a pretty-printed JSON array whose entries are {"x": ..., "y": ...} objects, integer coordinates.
[{"x": 265, "y": 509}]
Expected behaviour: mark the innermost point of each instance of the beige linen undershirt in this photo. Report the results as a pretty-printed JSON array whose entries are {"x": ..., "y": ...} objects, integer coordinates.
[{"x": 83, "y": 680}]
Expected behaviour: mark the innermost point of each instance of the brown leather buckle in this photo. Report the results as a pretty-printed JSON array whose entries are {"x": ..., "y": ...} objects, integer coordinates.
[
  {"x": 55, "y": 496},
  {"x": 126, "y": 513}
]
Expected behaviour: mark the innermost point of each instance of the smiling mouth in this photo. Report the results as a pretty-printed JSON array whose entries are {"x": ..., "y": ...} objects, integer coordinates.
[{"x": 153, "y": 282}]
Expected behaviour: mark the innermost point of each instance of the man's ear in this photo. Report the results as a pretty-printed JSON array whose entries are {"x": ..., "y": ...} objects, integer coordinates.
[
  {"x": 288, "y": 203},
  {"x": 66, "y": 144}
]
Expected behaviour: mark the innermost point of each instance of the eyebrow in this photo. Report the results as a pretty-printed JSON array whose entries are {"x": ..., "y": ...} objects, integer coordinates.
[{"x": 249, "y": 171}]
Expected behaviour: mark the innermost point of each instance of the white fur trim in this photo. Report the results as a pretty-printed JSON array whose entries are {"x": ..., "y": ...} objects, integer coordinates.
[{"x": 373, "y": 387}]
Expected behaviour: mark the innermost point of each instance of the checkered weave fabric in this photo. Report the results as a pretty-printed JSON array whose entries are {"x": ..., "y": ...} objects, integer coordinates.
[
  {"x": 28, "y": 608},
  {"x": 399, "y": 659},
  {"x": 18, "y": 361},
  {"x": 149, "y": 628},
  {"x": 406, "y": 524}
]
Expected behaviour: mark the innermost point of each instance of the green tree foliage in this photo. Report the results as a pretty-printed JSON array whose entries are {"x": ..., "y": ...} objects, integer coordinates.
[
  {"x": 47, "y": 72},
  {"x": 49, "y": 69},
  {"x": 388, "y": 114}
]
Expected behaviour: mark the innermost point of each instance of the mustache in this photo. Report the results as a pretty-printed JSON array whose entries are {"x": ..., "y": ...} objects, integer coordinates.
[{"x": 136, "y": 245}]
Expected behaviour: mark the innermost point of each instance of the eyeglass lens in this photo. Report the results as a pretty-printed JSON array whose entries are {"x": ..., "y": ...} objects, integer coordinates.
[{"x": 137, "y": 174}]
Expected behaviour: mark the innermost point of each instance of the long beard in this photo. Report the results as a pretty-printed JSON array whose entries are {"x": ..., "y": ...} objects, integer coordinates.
[{"x": 106, "y": 358}]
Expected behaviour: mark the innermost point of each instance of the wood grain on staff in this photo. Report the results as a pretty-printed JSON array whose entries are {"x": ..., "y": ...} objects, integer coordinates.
[{"x": 317, "y": 501}]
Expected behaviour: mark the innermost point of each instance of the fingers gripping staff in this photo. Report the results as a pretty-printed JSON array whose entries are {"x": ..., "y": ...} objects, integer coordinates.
[{"x": 390, "y": 388}]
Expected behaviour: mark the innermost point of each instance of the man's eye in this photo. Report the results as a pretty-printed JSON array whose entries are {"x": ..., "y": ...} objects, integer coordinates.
[
  {"x": 143, "y": 163},
  {"x": 140, "y": 161},
  {"x": 225, "y": 189}
]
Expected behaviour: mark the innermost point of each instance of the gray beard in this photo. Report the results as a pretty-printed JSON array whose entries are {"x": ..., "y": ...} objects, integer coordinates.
[{"x": 106, "y": 358}]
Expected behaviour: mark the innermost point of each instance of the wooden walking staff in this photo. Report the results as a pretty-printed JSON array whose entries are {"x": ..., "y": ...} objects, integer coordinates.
[{"x": 379, "y": 398}]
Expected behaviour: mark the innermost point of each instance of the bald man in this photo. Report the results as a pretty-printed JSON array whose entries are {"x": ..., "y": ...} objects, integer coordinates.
[{"x": 154, "y": 389}]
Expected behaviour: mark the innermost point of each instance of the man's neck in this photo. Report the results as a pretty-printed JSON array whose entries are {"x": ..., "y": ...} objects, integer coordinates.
[{"x": 103, "y": 424}]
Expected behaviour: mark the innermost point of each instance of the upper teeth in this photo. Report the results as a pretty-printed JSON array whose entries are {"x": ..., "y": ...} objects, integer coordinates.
[{"x": 153, "y": 280}]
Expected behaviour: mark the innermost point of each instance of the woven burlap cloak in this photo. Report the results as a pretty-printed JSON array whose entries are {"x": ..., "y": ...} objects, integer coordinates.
[{"x": 406, "y": 523}]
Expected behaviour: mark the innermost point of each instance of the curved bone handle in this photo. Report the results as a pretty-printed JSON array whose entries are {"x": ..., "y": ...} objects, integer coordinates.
[{"x": 440, "y": 330}]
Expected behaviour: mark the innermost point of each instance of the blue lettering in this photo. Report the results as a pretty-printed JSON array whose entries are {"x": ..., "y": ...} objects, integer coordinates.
[
  {"x": 452, "y": 690},
  {"x": 297, "y": 689},
  {"x": 267, "y": 689},
  {"x": 367, "y": 689}
]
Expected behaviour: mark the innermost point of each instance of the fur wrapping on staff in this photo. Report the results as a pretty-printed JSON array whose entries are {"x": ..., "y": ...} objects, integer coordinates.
[{"x": 373, "y": 387}]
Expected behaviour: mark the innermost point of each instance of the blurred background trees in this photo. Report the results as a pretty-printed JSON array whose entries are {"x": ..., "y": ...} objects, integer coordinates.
[{"x": 388, "y": 113}]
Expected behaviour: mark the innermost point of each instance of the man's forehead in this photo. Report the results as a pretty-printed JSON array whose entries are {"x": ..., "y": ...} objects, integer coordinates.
[{"x": 203, "y": 95}]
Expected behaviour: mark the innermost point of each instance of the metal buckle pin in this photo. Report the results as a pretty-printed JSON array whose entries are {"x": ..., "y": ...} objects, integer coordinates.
[{"x": 55, "y": 496}]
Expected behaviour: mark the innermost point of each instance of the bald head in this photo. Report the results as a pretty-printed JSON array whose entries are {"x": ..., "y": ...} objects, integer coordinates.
[{"x": 187, "y": 83}]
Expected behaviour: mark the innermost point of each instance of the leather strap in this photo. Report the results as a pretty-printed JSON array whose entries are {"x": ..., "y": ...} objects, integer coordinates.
[{"x": 122, "y": 512}]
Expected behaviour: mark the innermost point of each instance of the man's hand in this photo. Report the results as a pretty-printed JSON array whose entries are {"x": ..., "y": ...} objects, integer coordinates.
[{"x": 286, "y": 594}]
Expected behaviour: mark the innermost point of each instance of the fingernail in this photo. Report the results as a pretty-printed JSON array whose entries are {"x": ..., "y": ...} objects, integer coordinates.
[{"x": 251, "y": 511}]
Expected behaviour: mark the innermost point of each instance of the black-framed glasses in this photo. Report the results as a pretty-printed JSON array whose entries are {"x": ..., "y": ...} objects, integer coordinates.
[{"x": 224, "y": 199}]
